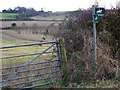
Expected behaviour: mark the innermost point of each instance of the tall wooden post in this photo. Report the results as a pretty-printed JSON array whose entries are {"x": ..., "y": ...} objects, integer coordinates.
[{"x": 63, "y": 62}]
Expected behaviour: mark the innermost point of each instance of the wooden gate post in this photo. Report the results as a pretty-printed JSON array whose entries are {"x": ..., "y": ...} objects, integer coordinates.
[{"x": 63, "y": 62}]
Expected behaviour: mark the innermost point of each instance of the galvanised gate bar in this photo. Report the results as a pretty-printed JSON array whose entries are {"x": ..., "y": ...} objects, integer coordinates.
[{"x": 34, "y": 73}]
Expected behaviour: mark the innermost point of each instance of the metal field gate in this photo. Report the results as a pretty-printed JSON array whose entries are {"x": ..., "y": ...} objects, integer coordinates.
[{"x": 30, "y": 70}]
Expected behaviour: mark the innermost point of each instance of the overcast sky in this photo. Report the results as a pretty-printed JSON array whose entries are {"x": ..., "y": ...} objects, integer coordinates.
[{"x": 55, "y": 5}]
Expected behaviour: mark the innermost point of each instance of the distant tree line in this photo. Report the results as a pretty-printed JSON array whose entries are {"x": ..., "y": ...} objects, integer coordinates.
[
  {"x": 18, "y": 10},
  {"x": 27, "y": 12}
]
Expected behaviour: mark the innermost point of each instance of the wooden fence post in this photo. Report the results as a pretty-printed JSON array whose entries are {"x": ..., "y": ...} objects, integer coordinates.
[{"x": 63, "y": 62}]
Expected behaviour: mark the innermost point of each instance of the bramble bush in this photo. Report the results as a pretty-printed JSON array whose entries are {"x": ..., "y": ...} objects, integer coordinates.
[{"x": 77, "y": 32}]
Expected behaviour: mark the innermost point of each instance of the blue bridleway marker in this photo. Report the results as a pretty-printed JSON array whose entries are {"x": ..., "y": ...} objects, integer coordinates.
[
  {"x": 100, "y": 11},
  {"x": 96, "y": 18}
]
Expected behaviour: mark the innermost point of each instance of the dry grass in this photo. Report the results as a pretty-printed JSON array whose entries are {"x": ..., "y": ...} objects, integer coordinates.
[
  {"x": 60, "y": 17},
  {"x": 32, "y": 30},
  {"x": 82, "y": 71},
  {"x": 27, "y": 23},
  {"x": 26, "y": 36}
]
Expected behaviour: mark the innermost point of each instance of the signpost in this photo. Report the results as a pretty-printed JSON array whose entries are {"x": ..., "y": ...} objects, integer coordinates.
[{"x": 96, "y": 13}]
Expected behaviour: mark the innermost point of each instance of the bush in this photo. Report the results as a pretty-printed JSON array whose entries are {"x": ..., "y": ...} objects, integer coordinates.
[
  {"x": 111, "y": 23},
  {"x": 77, "y": 33},
  {"x": 13, "y": 25}
]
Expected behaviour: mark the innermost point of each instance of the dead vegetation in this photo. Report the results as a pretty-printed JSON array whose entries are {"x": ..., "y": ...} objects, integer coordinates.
[{"x": 82, "y": 70}]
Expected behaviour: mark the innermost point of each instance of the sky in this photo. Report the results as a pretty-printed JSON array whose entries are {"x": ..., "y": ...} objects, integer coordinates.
[{"x": 55, "y": 5}]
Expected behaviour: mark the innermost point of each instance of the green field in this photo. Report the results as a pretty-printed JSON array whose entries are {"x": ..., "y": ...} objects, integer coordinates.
[{"x": 8, "y": 15}]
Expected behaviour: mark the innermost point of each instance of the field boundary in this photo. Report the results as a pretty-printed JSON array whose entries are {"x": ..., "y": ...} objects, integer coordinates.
[{"x": 27, "y": 20}]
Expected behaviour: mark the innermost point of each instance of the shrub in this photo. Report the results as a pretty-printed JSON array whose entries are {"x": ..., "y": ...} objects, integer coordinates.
[
  {"x": 76, "y": 29},
  {"x": 13, "y": 25}
]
